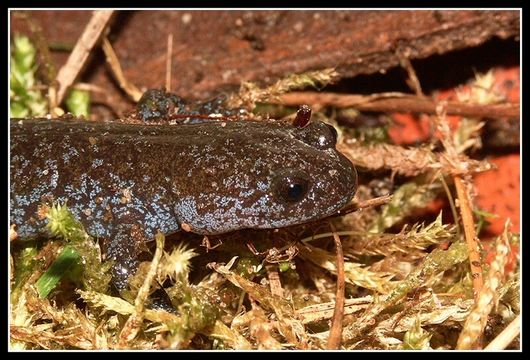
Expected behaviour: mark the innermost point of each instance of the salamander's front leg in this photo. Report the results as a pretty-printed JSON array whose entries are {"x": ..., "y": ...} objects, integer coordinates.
[{"x": 123, "y": 249}]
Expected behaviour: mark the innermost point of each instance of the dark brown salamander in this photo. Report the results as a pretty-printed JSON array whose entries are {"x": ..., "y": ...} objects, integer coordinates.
[{"x": 125, "y": 182}]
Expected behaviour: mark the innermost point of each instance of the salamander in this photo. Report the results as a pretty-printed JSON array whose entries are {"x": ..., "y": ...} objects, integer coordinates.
[{"x": 124, "y": 181}]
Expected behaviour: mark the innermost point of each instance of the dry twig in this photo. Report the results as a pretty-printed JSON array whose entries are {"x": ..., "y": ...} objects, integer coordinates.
[
  {"x": 464, "y": 202},
  {"x": 487, "y": 298},
  {"x": 470, "y": 235},
  {"x": 79, "y": 55},
  {"x": 413, "y": 82},
  {"x": 399, "y": 102},
  {"x": 274, "y": 280},
  {"x": 506, "y": 336},
  {"x": 381, "y": 200},
  {"x": 129, "y": 88},
  {"x": 323, "y": 311},
  {"x": 335, "y": 332},
  {"x": 168, "y": 61}
]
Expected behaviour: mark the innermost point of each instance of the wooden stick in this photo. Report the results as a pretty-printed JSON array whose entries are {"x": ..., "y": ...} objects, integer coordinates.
[
  {"x": 412, "y": 81},
  {"x": 335, "y": 332},
  {"x": 168, "y": 61},
  {"x": 506, "y": 336},
  {"x": 77, "y": 59},
  {"x": 470, "y": 235},
  {"x": 381, "y": 200},
  {"x": 273, "y": 276},
  {"x": 398, "y": 102},
  {"x": 129, "y": 88}
]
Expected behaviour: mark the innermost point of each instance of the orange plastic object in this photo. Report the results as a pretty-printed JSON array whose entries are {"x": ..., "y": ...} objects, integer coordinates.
[{"x": 498, "y": 191}]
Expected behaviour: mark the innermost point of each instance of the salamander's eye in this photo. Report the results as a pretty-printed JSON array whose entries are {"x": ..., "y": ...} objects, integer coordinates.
[
  {"x": 334, "y": 134},
  {"x": 291, "y": 185},
  {"x": 319, "y": 135}
]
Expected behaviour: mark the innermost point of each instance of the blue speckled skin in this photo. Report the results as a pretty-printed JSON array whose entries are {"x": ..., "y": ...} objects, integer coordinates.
[{"x": 125, "y": 182}]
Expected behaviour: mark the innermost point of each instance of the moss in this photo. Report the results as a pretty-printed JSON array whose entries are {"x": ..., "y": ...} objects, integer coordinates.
[
  {"x": 406, "y": 289},
  {"x": 78, "y": 102},
  {"x": 24, "y": 99}
]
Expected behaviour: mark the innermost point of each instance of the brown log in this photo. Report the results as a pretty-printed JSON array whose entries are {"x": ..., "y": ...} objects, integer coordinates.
[{"x": 216, "y": 50}]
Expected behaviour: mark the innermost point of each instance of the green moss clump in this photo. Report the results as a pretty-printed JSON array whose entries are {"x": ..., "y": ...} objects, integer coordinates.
[{"x": 25, "y": 99}]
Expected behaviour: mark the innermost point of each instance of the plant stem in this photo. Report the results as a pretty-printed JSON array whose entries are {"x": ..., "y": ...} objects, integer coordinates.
[
  {"x": 470, "y": 235},
  {"x": 335, "y": 332}
]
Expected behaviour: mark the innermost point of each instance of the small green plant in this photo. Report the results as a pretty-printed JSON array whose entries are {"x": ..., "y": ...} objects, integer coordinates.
[
  {"x": 78, "y": 102},
  {"x": 25, "y": 99},
  {"x": 47, "y": 282},
  {"x": 416, "y": 338},
  {"x": 80, "y": 260}
]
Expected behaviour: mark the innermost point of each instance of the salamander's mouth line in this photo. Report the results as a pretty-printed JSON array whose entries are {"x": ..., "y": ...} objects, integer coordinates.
[{"x": 345, "y": 210}]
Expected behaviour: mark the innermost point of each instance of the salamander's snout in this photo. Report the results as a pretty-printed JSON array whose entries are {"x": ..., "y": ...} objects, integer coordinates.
[{"x": 351, "y": 179}]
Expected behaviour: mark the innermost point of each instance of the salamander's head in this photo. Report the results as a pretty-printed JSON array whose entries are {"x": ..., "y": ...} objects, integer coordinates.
[{"x": 265, "y": 175}]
